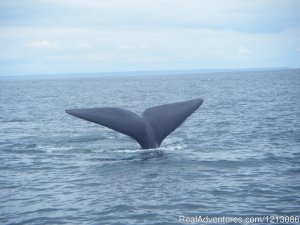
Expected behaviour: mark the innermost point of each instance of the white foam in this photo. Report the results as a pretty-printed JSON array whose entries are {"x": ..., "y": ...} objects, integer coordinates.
[{"x": 50, "y": 149}]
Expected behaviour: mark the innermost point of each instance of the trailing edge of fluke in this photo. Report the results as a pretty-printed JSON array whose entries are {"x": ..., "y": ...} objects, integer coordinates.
[{"x": 149, "y": 129}]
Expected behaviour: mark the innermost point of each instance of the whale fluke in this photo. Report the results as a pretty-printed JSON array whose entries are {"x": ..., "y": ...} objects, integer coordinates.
[{"x": 150, "y": 129}]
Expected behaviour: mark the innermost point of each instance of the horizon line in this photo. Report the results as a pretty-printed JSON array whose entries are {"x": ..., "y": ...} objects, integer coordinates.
[{"x": 145, "y": 72}]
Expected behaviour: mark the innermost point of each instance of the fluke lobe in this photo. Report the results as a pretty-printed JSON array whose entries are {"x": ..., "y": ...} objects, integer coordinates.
[{"x": 149, "y": 129}]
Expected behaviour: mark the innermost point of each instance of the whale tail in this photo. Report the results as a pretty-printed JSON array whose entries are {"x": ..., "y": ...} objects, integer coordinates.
[{"x": 149, "y": 129}]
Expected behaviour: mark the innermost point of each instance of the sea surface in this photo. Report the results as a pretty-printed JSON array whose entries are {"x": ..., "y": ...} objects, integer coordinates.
[{"x": 237, "y": 155}]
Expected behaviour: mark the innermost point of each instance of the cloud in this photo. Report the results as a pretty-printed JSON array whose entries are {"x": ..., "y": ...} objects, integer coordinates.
[
  {"x": 44, "y": 44},
  {"x": 53, "y": 36},
  {"x": 244, "y": 51},
  {"x": 133, "y": 47},
  {"x": 257, "y": 16},
  {"x": 124, "y": 47}
]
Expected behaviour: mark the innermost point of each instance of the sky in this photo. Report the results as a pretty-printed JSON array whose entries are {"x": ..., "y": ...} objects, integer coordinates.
[{"x": 90, "y": 36}]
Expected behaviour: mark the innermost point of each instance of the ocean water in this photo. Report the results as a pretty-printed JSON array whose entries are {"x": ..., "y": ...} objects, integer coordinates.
[{"x": 237, "y": 155}]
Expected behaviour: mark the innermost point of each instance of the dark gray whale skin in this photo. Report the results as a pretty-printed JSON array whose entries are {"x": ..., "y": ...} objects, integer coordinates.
[{"x": 149, "y": 129}]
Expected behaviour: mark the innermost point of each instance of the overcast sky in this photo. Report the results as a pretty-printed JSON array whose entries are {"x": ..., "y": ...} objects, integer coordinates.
[{"x": 74, "y": 36}]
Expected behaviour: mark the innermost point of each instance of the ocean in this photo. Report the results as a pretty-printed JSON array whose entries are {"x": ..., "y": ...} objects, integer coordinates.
[{"x": 238, "y": 155}]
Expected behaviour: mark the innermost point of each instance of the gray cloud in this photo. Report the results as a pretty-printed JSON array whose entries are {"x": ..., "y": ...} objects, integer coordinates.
[{"x": 52, "y": 36}]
